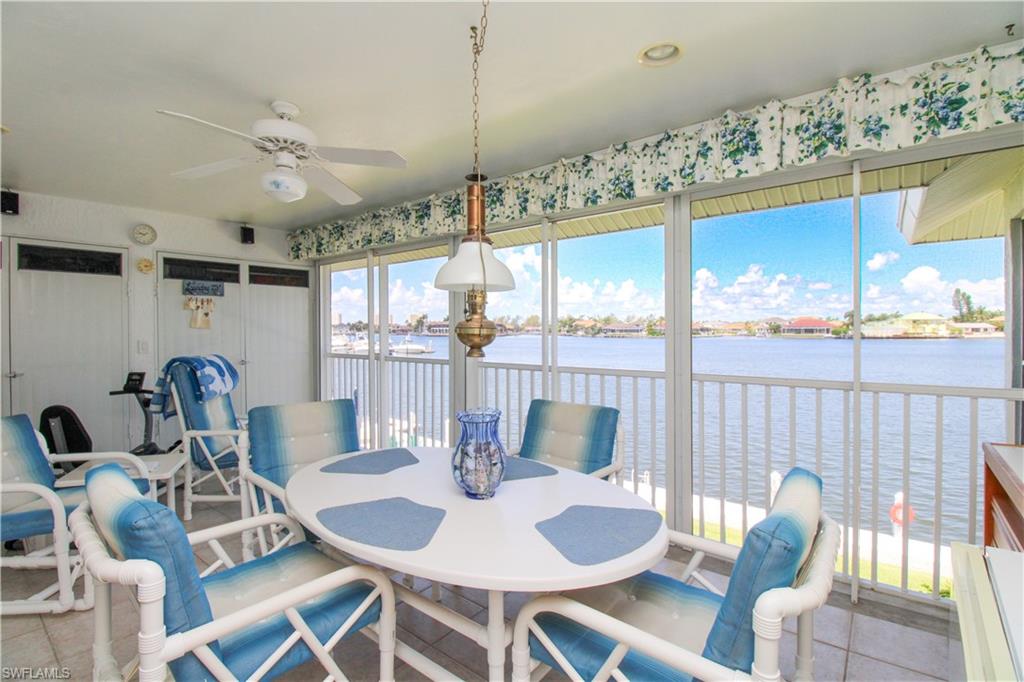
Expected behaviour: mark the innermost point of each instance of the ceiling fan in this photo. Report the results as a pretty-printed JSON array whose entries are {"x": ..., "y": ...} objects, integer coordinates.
[{"x": 295, "y": 154}]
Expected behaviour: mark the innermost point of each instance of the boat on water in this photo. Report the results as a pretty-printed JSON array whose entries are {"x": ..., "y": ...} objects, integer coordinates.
[{"x": 407, "y": 347}]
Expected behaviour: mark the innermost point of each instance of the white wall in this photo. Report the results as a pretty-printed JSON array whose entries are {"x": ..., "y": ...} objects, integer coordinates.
[{"x": 73, "y": 220}]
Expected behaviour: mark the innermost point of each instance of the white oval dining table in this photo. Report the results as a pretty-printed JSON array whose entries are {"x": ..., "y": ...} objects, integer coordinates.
[{"x": 546, "y": 529}]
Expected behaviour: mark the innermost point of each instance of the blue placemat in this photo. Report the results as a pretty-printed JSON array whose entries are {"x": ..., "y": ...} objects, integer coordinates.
[
  {"x": 588, "y": 535},
  {"x": 391, "y": 523},
  {"x": 518, "y": 467},
  {"x": 373, "y": 463}
]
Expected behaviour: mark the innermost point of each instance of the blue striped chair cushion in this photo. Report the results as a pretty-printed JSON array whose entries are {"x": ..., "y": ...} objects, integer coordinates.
[
  {"x": 217, "y": 413},
  {"x": 22, "y": 460},
  {"x": 663, "y": 606},
  {"x": 579, "y": 437},
  {"x": 283, "y": 438},
  {"x": 138, "y": 528},
  {"x": 772, "y": 554},
  {"x": 254, "y": 581}
]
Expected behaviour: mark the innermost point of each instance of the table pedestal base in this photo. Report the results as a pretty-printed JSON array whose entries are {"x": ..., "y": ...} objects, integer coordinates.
[{"x": 496, "y": 635}]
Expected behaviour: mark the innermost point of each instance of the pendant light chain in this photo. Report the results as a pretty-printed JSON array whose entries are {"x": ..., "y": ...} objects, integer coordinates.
[{"x": 478, "y": 35}]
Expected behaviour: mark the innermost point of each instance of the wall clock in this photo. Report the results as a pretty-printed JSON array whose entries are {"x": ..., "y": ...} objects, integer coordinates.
[{"x": 143, "y": 234}]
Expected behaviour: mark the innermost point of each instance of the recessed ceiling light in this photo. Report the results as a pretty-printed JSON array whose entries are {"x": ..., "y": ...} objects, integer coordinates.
[{"x": 660, "y": 54}]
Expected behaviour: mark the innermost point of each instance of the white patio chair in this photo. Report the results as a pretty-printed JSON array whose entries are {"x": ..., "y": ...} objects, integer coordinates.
[
  {"x": 283, "y": 438},
  {"x": 654, "y": 627},
  {"x": 253, "y": 620},
  {"x": 32, "y": 506},
  {"x": 210, "y": 431},
  {"x": 579, "y": 437}
]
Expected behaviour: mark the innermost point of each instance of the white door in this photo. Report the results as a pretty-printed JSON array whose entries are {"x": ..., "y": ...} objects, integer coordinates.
[
  {"x": 5, "y": 326},
  {"x": 278, "y": 339},
  {"x": 177, "y": 335},
  {"x": 68, "y": 331}
]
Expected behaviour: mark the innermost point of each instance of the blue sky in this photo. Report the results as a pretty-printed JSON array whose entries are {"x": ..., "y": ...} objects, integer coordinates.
[{"x": 783, "y": 262}]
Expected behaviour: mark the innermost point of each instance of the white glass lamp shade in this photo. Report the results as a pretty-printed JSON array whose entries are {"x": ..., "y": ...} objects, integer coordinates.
[
  {"x": 464, "y": 272},
  {"x": 284, "y": 185}
]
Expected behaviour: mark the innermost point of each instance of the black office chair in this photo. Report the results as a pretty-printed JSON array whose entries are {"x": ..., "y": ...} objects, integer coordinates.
[{"x": 64, "y": 432}]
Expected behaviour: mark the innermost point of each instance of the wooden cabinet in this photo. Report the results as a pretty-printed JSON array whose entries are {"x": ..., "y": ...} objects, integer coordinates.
[{"x": 1004, "y": 496}]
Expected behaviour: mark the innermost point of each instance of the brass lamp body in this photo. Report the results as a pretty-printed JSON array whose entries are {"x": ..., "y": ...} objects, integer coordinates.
[{"x": 476, "y": 331}]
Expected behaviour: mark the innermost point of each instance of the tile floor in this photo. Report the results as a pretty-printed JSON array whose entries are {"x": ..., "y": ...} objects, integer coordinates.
[{"x": 849, "y": 645}]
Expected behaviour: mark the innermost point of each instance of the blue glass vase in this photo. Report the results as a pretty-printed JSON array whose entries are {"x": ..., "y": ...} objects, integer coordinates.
[{"x": 478, "y": 462}]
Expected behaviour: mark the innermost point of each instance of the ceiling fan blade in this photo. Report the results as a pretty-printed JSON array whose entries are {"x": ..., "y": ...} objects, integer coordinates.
[
  {"x": 229, "y": 131},
  {"x": 216, "y": 167},
  {"x": 361, "y": 157},
  {"x": 327, "y": 183}
]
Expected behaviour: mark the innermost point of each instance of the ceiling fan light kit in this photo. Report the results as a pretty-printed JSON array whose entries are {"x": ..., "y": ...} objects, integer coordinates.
[
  {"x": 297, "y": 157},
  {"x": 283, "y": 184}
]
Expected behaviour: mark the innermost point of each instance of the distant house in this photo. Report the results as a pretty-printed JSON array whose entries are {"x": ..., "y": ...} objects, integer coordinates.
[
  {"x": 923, "y": 324},
  {"x": 974, "y": 328},
  {"x": 437, "y": 328},
  {"x": 584, "y": 325},
  {"x": 809, "y": 326},
  {"x": 736, "y": 328},
  {"x": 881, "y": 329},
  {"x": 764, "y": 327},
  {"x": 624, "y": 329}
]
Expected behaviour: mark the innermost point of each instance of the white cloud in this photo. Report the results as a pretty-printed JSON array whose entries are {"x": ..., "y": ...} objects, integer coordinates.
[
  {"x": 990, "y": 293},
  {"x": 881, "y": 259},
  {"x": 405, "y": 301},
  {"x": 874, "y": 291},
  {"x": 757, "y": 293},
  {"x": 926, "y": 288},
  {"x": 924, "y": 282}
]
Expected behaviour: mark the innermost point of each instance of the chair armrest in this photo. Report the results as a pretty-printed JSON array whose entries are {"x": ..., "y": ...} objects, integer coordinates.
[
  {"x": 206, "y": 433},
  {"x": 644, "y": 642},
  {"x": 814, "y": 586},
  {"x": 716, "y": 549},
  {"x": 51, "y": 498},
  {"x": 604, "y": 472},
  {"x": 264, "y": 483},
  {"x": 146, "y": 575},
  {"x": 179, "y": 644},
  {"x": 132, "y": 460},
  {"x": 251, "y": 523}
]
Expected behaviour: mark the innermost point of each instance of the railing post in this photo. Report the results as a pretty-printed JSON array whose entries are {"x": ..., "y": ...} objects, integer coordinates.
[
  {"x": 678, "y": 366},
  {"x": 1014, "y": 325},
  {"x": 855, "y": 560}
]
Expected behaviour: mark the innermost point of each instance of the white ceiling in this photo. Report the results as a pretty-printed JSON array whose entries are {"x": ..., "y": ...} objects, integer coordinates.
[{"x": 81, "y": 82}]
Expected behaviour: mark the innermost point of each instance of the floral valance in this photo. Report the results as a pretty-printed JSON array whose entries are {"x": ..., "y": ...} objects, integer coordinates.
[{"x": 973, "y": 92}]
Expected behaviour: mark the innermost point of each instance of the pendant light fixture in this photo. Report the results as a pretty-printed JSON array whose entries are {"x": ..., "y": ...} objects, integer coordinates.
[{"x": 474, "y": 269}]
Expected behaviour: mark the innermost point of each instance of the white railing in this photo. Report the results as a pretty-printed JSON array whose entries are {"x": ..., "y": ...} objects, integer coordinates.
[
  {"x": 638, "y": 395},
  {"x": 921, "y": 441},
  {"x": 417, "y": 397},
  {"x": 415, "y": 402}
]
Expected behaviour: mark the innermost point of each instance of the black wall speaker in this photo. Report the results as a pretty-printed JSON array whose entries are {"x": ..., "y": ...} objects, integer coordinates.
[
  {"x": 248, "y": 234},
  {"x": 9, "y": 202}
]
